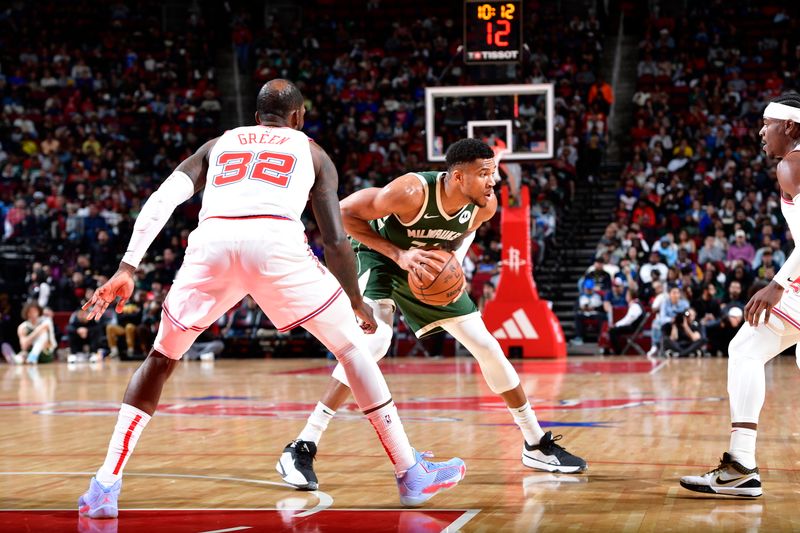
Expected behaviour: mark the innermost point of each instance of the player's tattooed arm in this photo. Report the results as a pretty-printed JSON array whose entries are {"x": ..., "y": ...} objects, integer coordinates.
[
  {"x": 403, "y": 198},
  {"x": 339, "y": 256},
  {"x": 196, "y": 165}
]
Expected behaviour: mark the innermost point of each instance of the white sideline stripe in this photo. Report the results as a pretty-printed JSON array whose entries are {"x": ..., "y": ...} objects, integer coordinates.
[
  {"x": 512, "y": 329},
  {"x": 461, "y": 521},
  {"x": 522, "y": 321},
  {"x": 240, "y": 528},
  {"x": 325, "y": 499},
  {"x": 658, "y": 367}
]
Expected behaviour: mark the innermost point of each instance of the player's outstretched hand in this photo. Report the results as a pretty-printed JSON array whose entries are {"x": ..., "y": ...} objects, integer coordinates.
[
  {"x": 763, "y": 301},
  {"x": 424, "y": 264},
  {"x": 119, "y": 286},
  {"x": 365, "y": 317}
]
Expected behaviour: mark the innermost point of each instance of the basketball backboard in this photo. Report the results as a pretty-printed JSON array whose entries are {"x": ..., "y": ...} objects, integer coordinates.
[{"x": 521, "y": 116}]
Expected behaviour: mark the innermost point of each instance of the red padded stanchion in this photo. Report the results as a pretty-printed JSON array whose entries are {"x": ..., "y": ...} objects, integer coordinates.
[{"x": 519, "y": 320}]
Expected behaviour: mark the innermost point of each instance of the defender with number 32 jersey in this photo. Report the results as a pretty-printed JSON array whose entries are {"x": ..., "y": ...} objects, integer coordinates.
[{"x": 255, "y": 170}]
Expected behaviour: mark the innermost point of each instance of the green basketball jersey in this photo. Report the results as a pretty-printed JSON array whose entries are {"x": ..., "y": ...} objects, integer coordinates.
[{"x": 432, "y": 227}]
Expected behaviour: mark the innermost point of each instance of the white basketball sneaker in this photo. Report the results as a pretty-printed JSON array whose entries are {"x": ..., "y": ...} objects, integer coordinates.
[
  {"x": 550, "y": 457},
  {"x": 730, "y": 478}
]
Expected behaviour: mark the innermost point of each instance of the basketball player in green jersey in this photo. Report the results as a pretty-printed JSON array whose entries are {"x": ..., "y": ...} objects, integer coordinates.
[{"x": 390, "y": 228}]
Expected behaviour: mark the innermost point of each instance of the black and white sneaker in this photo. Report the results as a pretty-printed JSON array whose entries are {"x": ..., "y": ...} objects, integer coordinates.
[
  {"x": 295, "y": 465},
  {"x": 730, "y": 477},
  {"x": 550, "y": 457}
]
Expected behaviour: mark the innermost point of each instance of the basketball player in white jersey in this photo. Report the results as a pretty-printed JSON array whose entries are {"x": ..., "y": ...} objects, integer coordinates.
[
  {"x": 250, "y": 240},
  {"x": 390, "y": 227},
  {"x": 759, "y": 340}
]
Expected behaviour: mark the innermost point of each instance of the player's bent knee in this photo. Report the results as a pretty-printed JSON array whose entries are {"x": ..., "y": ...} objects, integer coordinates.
[
  {"x": 741, "y": 346},
  {"x": 380, "y": 341},
  {"x": 347, "y": 354},
  {"x": 497, "y": 369}
]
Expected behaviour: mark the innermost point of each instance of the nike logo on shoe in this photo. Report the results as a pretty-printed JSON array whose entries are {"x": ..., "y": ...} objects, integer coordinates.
[
  {"x": 720, "y": 481},
  {"x": 550, "y": 460}
]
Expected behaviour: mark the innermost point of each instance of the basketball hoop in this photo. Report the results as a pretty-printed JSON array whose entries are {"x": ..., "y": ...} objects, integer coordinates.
[{"x": 512, "y": 170}]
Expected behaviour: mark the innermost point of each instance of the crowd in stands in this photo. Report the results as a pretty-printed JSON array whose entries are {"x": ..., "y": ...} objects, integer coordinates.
[
  {"x": 364, "y": 80},
  {"x": 100, "y": 103},
  {"x": 698, "y": 226}
]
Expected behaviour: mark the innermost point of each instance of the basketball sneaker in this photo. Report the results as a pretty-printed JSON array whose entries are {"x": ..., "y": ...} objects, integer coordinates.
[
  {"x": 296, "y": 465},
  {"x": 99, "y": 501},
  {"x": 730, "y": 478},
  {"x": 550, "y": 457},
  {"x": 425, "y": 479}
]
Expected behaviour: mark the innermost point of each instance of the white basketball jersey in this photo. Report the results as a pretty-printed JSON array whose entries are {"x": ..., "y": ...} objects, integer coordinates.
[
  {"x": 258, "y": 170},
  {"x": 791, "y": 212}
]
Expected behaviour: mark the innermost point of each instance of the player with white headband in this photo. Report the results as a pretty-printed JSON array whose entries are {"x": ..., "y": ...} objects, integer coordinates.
[{"x": 772, "y": 319}]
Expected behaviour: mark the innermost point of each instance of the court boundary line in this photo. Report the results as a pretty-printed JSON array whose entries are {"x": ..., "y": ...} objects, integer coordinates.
[
  {"x": 228, "y": 530},
  {"x": 225, "y": 509},
  {"x": 658, "y": 367},
  {"x": 461, "y": 521}
]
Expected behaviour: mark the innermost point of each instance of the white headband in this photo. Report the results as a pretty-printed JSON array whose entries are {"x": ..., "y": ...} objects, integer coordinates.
[{"x": 782, "y": 112}]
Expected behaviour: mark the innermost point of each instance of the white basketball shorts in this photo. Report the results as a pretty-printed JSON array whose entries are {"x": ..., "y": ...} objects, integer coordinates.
[
  {"x": 788, "y": 308},
  {"x": 227, "y": 259}
]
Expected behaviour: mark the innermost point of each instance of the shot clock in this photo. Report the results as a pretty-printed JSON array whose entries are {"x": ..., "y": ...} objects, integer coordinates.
[{"x": 492, "y": 31}]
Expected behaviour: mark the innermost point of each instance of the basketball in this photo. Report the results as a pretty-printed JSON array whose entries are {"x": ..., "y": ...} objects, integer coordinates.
[{"x": 445, "y": 287}]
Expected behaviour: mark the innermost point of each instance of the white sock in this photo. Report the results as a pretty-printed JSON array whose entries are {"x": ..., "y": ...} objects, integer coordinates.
[
  {"x": 345, "y": 340},
  {"x": 389, "y": 428},
  {"x": 743, "y": 446},
  {"x": 526, "y": 420},
  {"x": 130, "y": 424},
  {"x": 317, "y": 423}
]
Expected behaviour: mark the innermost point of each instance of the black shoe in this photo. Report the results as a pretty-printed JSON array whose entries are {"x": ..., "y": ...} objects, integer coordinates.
[
  {"x": 550, "y": 457},
  {"x": 296, "y": 465}
]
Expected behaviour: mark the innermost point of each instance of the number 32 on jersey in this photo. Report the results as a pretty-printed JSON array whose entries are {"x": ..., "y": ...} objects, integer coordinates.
[{"x": 271, "y": 167}]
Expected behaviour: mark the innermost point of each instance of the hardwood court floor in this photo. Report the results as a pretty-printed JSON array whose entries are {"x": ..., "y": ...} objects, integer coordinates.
[{"x": 221, "y": 427}]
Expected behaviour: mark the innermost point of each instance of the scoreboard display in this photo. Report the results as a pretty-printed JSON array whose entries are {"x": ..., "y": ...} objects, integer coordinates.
[{"x": 492, "y": 31}]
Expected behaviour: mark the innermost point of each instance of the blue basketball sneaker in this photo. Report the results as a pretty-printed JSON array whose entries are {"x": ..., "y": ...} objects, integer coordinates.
[
  {"x": 425, "y": 479},
  {"x": 100, "y": 502}
]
